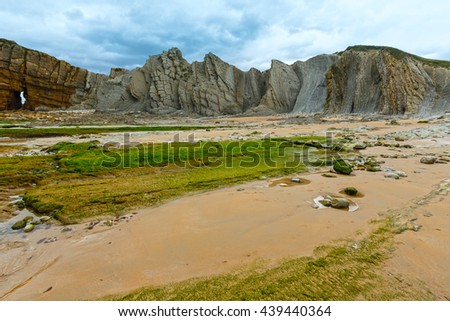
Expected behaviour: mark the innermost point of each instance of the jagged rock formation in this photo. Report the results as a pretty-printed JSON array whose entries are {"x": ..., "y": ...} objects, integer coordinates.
[
  {"x": 361, "y": 79},
  {"x": 42, "y": 80},
  {"x": 282, "y": 88},
  {"x": 167, "y": 83},
  {"x": 358, "y": 80}
]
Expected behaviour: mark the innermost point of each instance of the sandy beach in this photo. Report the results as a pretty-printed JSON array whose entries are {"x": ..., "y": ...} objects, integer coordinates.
[{"x": 221, "y": 230}]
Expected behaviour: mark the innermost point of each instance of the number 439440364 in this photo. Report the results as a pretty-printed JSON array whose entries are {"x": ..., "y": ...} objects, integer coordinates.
[{"x": 311, "y": 310}]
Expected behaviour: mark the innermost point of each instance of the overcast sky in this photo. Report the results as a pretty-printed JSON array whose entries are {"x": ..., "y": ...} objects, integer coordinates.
[{"x": 100, "y": 34}]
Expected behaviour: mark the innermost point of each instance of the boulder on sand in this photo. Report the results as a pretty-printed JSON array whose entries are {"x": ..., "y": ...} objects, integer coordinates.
[
  {"x": 28, "y": 228},
  {"x": 19, "y": 225},
  {"x": 428, "y": 159},
  {"x": 340, "y": 203},
  {"x": 342, "y": 167},
  {"x": 350, "y": 191}
]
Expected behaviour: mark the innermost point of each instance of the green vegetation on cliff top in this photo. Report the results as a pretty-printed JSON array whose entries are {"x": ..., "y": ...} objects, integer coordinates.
[{"x": 399, "y": 54}]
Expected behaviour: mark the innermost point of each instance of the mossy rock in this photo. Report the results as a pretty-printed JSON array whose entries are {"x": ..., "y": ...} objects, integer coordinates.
[
  {"x": 28, "y": 228},
  {"x": 28, "y": 218},
  {"x": 19, "y": 225},
  {"x": 342, "y": 167},
  {"x": 350, "y": 191},
  {"x": 371, "y": 168}
]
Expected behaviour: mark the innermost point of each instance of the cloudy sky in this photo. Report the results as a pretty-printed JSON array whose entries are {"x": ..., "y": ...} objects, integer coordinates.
[{"x": 100, "y": 34}]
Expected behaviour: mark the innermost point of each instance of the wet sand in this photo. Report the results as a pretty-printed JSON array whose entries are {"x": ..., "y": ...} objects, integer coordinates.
[{"x": 218, "y": 231}]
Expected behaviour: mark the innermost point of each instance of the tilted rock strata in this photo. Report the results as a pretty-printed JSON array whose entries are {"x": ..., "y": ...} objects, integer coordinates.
[
  {"x": 313, "y": 80},
  {"x": 370, "y": 81},
  {"x": 375, "y": 81},
  {"x": 358, "y": 80},
  {"x": 167, "y": 83},
  {"x": 44, "y": 80}
]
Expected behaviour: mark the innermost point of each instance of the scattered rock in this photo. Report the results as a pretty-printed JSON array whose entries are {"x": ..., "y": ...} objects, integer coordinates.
[
  {"x": 51, "y": 240},
  {"x": 360, "y": 146},
  {"x": 28, "y": 228},
  {"x": 262, "y": 178},
  {"x": 108, "y": 223},
  {"x": 296, "y": 180},
  {"x": 401, "y": 174},
  {"x": 428, "y": 159},
  {"x": 19, "y": 225},
  {"x": 45, "y": 218},
  {"x": 392, "y": 175},
  {"x": 328, "y": 175},
  {"x": 240, "y": 189},
  {"x": 283, "y": 185},
  {"x": 66, "y": 229},
  {"x": 340, "y": 203},
  {"x": 350, "y": 191},
  {"x": 342, "y": 167},
  {"x": 416, "y": 227}
]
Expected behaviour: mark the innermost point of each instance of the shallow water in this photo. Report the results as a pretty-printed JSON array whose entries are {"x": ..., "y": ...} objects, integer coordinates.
[{"x": 5, "y": 227}]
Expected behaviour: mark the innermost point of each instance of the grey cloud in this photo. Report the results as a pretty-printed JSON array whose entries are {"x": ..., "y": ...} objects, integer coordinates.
[{"x": 99, "y": 34}]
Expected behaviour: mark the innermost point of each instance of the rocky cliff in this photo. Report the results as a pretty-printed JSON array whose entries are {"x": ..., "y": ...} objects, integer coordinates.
[
  {"x": 42, "y": 80},
  {"x": 388, "y": 81},
  {"x": 167, "y": 83},
  {"x": 361, "y": 79}
]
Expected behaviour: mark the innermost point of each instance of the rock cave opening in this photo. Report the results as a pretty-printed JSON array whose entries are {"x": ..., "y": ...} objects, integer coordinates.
[{"x": 17, "y": 100}]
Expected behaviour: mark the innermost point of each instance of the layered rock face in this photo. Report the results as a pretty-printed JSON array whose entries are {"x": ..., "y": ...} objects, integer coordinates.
[
  {"x": 167, "y": 83},
  {"x": 362, "y": 80},
  {"x": 42, "y": 80},
  {"x": 359, "y": 80},
  {"x": 386, "y": 82},
  {"x": 313, "y": 89}
]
